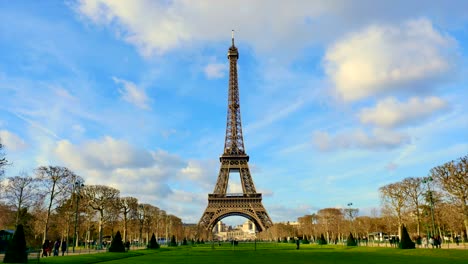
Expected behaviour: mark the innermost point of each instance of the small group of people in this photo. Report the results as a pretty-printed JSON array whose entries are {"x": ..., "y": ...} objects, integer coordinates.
[
  {"x": 435, "y": 241},
  {"x": 394, "y": 241},
  {"x": 49, "y": 246}
]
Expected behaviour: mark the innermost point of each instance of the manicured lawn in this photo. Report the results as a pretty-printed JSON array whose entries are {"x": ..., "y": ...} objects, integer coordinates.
[
  {"x": 272, "y": 253},
  {"x": 95, "y": 258}
]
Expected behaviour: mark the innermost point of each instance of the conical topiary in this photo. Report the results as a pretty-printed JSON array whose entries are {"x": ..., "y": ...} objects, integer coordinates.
[
  {"x": 16, "y": 251},
  {"x": 173, "y": 241},
  {"x": 117, "y": 244},
  {"x": 153, "y": 244},
  {"x": 351, "y": 241},
  {"x": 184, "y": 242},
  {"x": 405, "y": 241}
]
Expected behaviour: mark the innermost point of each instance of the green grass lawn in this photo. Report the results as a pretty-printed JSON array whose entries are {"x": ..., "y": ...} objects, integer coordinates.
[{"x": 271, "y": 253}]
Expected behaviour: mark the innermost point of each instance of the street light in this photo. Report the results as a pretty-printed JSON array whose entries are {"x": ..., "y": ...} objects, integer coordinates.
[
  {"x": 427, "y": 180},
  {"x": 350, "y": 212},
  {"x": 76, "y": 189}
]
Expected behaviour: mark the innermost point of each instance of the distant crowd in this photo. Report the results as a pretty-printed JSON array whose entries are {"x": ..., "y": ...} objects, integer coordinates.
[{"x": 49, "y": 246}]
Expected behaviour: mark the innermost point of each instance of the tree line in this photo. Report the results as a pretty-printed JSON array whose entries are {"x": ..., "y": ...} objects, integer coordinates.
[
  {"x": 54, "y": 200},
  {"x": 435, "y": 205}
]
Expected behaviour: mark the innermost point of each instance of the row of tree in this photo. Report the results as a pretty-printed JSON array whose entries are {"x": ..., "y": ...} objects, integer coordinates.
[
  {"x": 54, "y": 202},
  {"x": 428, "y": 206}
]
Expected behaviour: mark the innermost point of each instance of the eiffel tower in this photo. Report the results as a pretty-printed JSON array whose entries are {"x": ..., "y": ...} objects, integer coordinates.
[{"x": 234, "y": 159}]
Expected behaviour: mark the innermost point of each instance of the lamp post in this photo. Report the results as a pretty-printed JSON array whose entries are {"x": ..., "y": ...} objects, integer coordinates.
[
  {"x": 427, "y": 180},
  {"x": 77, "y": 190},
  {"x": 351, "y": 217}
]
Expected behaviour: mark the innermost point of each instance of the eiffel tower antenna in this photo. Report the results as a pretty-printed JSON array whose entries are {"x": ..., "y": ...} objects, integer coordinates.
[
  {"x": 234, "y": 159},
  {"x": 232, "y": 37}
]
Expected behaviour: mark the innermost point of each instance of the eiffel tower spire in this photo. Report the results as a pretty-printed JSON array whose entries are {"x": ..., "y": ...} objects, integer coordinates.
[
  {"x": 234, "y": 142},
  {"x": 234, "y": 159}
]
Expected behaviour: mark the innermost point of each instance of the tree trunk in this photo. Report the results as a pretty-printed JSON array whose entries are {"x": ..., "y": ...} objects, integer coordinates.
[
  {"x": 125, "y": 227},
  {"x": 46, "y": 229},
  {"x": 19, "y": 206},
  {"x": 101, "y": 218},
  {"x": 465, "y": 210}
]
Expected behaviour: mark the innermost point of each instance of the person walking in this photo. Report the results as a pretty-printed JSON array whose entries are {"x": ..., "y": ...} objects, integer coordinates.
[
  {"x": 45, "y": 248},
  {"x": 56, "y": 247},
  {"x": 64, "y": 247}
]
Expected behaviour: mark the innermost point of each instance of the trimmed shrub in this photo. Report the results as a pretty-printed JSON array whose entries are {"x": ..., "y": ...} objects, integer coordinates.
[
  {"x": 16, "y": 251},
  {"x": 117, "y": 244},
  {"x": 173, "y": 242},
  {"x": 405, "y": 242},
  {"x": 305, "y": 241},
  {"x": 153, "y": 243},
  {"x": 322, "y": 240},
  {"x": 184, "y": 242},
  {"x": 351, "y": 241}
]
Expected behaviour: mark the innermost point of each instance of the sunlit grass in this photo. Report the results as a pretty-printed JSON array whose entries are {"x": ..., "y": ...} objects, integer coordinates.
[{"x": 271, "y": 253}]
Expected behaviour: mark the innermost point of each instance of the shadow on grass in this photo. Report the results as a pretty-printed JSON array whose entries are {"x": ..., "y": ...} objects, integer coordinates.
[{"x": 97, "y": 257}]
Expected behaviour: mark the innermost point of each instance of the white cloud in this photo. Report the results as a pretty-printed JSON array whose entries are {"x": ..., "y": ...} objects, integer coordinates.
[
  {"x": 215, "y": 70},
  {"x": 378, "y": 139},
  {"x": 108, "y": 153},
  {"x": 379, "y": 59},
  {"x": 392, "y": 113},
  {"x": 156, "y": 27},
  {"x": 11, "y": 141},
  {"x": 133, "y": 94}
]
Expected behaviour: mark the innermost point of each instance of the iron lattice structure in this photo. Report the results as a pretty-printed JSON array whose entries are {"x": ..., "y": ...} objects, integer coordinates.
[{"x": 234, "y": 159}]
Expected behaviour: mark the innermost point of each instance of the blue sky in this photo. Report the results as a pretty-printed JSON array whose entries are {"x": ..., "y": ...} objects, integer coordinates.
[{"x": 337, "y": 98}]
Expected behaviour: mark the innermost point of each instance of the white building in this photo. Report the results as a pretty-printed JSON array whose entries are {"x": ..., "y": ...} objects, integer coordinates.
[{"x": 246, "y": 231}]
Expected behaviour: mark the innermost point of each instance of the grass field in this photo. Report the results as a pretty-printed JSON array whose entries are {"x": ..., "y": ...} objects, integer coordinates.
[{"x": 271, "y": 253}]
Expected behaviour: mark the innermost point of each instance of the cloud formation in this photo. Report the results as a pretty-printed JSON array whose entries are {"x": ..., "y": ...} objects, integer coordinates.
[
  {"x": 133, "y": 94},
  {"x": 215, "y": 70},
  {"x": 385, "y": 58},
  {"x": 108, "y": 153},
  {"x": 390, "y": 112},
  {"x": 156, "y": 27},
  {"x": 12, "y": 141},
  {"x": 152, "y": 174},
  {"x": 378, "y": 139}
]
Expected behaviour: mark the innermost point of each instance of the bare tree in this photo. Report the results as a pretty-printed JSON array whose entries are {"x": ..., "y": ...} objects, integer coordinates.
[
  {"x": 151, "y": 219},
  {"x": 56, "y": 181},
  {"x": 100, "y": 198},
  {"x": 413, "y": 188},
  {"x": 453, "y": 178},
  {"x": 21, "y": 192},
  {"x": 330, "y": 220},
  {"x": 3, "y": 160},
  {"x": 351, "y": 214},
  {"x": 141, "y": 215},
  {"x": 392, "y": 196},
  {"x": 307, "y": 224},
  {"x": 128, "y": 207}
]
